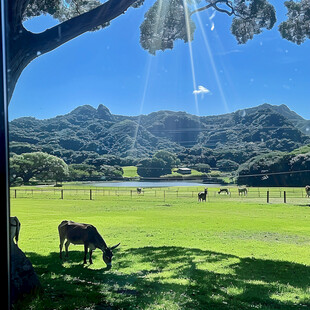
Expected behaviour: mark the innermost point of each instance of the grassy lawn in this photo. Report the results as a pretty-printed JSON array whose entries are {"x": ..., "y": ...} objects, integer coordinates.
[
  {"x": 130, "y": 172},
  {"x": 177, "y": 254}
]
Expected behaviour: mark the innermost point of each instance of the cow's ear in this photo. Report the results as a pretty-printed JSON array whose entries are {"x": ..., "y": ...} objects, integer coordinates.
[{"x": 114, "y": 246}]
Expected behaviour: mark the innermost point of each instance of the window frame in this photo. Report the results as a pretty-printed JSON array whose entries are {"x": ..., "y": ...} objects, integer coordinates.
[{"x": 4, "y": 156}]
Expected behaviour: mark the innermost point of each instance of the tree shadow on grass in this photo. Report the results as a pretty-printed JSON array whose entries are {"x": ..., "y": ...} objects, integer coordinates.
[
  {"x": 304, "y": 205},
  {"x": 176, "y": 277}
]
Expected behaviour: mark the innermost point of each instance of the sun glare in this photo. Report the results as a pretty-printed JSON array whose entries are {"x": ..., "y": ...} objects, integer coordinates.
[
  {"x": 190, "y": 48},
  {"x": 209, "y": 51}
]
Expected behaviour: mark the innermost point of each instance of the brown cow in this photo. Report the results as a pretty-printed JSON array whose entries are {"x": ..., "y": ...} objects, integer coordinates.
[{"x": 86, "y": 234}]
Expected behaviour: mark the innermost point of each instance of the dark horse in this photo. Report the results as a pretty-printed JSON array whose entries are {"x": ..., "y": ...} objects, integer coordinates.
[
  {"x": 202, "y": 196},
  {"x": 223, "y": 190}
]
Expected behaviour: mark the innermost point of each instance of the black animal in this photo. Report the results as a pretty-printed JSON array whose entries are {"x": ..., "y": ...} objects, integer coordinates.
[
  {"x": 202, "y": 196},
  {"x": 86, "y": 234},
  {"x": 139, "y": 190},
  {"x": 307, "y": 189},
  {"x": 223, "y": 190},
  {"x": 243, "y": 191}
]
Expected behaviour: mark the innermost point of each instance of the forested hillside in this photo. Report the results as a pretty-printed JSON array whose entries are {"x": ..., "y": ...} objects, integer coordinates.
[
  {"x": 89, "y": 133},
  {"x": 277, "y": 169}
]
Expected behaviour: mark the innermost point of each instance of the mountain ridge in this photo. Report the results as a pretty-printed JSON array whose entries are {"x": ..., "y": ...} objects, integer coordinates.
[{"x": 87, "y": 131}]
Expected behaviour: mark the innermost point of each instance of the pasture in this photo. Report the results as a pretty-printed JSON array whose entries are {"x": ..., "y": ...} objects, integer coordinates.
[{"x": 174, "y": 254}]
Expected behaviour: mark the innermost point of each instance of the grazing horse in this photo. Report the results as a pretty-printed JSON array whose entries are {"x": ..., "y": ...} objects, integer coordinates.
[
  {"x": 14, "y": 228},
  {"x": 86, "y": 234},
  {"x": 139, "y": 190},
  {"x": 202, "y": 196},
  {"x": 243, "y": 191},
  {"x": 223, "y": 190},
  {"x": 307, "y": 189}
]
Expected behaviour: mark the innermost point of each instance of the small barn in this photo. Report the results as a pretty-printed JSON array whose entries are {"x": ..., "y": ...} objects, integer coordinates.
[{"x": 184, "y": 171}]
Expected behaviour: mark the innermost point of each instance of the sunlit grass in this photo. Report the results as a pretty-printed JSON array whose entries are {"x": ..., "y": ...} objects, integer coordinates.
[
  {"x": 130, "y": 172},
  {"x": 179, "y": 254}
]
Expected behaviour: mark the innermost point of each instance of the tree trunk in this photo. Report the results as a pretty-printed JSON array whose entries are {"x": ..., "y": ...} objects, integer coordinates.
[{"x": 23, "y": 277}]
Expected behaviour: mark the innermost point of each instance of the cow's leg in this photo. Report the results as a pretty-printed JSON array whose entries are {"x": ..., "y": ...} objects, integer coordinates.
[
  {"x": 90, "y": 256},
  {"x": 66, "y": 247},
  {"x": 60, "y": 247},
  {"x": 85, "y": 252}
]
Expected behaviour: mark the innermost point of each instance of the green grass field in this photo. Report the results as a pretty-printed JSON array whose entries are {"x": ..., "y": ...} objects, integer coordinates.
[
  {"x": 174, "y": 254},
  {"x": 130, "y": 172}
]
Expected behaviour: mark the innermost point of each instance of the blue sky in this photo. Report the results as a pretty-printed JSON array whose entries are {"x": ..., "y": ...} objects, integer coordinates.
[{"x": 110, "y": 67}]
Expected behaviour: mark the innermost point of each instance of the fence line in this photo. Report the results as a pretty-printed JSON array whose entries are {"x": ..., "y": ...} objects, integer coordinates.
[{"x": 261, "y": 194}]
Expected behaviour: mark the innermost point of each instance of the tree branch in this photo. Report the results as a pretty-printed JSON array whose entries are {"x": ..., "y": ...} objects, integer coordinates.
[
  {"x": 25, "y": 46},
  {"x": 214, "y": 5},
  {"x": 70, "y": 29},
  {"x": 201, "y": 9}
]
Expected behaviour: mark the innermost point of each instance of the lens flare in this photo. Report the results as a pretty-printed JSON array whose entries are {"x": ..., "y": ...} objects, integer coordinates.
[
  {"x": 214, "y": 69},
  {"x": 189, "y": 39}
]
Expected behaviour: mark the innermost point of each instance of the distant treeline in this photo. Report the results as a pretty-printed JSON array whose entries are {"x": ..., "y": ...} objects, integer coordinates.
[
  {"x": 271, "y": 169},
  {"x": 277, "y": 169}
]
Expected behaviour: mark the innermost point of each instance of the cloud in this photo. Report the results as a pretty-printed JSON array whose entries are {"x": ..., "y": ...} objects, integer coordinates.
[
  {"x": 201, "y": 91},
  {"x": 234, "y": 51},
  {"x": 212, "y": 23}
]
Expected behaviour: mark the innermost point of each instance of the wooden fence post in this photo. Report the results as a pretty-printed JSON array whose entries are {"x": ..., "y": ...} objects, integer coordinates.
[
  {"x": 267, "y": 196},
  {"x": 90, "y": 194},
  {"x": 284, "y": 195},
  {"x": 62, "y": 194},
  {"x": 15, "y": 193}
]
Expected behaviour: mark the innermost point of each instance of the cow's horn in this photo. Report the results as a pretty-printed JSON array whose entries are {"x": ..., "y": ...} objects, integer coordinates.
[{"x": 114, "y": 246}]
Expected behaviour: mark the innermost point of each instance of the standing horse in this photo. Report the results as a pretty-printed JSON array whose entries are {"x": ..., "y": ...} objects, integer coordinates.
[
  {"x": 243, "y": 191},
  {"x": 202, "y": 196}
]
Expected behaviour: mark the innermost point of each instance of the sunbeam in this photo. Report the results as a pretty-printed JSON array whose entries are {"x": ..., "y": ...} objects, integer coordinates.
[
  {"x": 161, "y": 11},
  {"x": 214, "y": 69},
  {"x": 146, "y": 85},
  {"x": 188, "y": 33}
]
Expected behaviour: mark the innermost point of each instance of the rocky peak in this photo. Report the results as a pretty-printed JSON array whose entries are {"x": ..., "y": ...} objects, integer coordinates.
[{"x": 104, "y": 113}]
